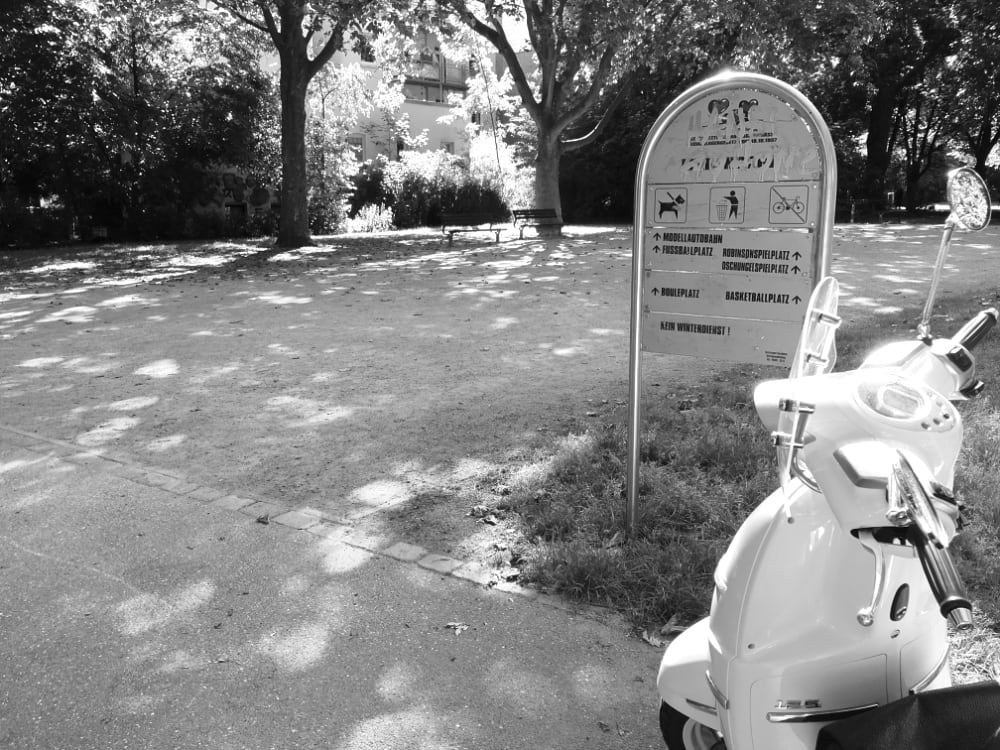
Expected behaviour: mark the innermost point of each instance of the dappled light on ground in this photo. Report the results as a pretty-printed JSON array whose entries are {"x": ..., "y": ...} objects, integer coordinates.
[
  {"x": 298, "y": 635},
  {"x": 903, "y": 258},
  {"x": 380, "y": 376}
]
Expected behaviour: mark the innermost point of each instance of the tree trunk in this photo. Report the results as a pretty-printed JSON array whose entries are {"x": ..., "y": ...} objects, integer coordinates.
[
  {"x": 293, "y": 221},
  {"x": 879, "y": 144},
  {"x": 547, "y": 181}
]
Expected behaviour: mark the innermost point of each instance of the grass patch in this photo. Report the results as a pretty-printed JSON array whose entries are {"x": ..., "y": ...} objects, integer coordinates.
[{"x": 706, "y": 462}]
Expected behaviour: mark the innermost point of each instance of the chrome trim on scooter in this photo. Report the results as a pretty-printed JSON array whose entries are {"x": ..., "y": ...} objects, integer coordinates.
[
  {"x": 721, "y": 699},
  {"x": 866, "y": 615},
  {"x": 933, "y": 674},
  {"x": 702, "y": 707},
  {"x": 804, "y": 717}
]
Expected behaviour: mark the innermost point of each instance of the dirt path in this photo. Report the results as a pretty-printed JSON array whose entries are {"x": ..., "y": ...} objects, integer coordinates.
[{"x": 389, "y": 377}]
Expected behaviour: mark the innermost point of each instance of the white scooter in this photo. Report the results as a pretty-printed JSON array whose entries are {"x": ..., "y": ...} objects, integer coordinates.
[{"x": 832, "y": 597}]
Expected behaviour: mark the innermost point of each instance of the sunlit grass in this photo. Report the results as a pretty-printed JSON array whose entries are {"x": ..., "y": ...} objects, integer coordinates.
[{"x": 706, "y": 462}]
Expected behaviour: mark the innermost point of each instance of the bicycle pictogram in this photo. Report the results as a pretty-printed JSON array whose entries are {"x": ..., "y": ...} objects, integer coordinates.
[{"x": 795, "y": 205}]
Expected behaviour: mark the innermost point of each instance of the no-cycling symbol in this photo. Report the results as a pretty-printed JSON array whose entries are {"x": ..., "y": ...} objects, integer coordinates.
[{"x": 789, "y": 204}]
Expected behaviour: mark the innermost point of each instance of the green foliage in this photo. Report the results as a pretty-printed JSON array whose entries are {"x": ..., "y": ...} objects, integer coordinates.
[
  {"x": 424, "y": 184},
  {"x": 370, "y": 218},
  {"x": 117, "y": 108},
  {"x": 493, "y": 164}
]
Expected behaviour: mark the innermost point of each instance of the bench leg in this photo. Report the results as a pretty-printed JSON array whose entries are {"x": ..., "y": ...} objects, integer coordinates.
[
  {"x": 497, "y": 233},
  {"x": 451, "y": 238}
]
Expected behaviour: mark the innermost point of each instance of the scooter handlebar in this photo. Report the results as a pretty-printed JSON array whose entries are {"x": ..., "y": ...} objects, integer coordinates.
[
  {"x": 945, "y": 582},
  {"x": 976, "y": 329}
]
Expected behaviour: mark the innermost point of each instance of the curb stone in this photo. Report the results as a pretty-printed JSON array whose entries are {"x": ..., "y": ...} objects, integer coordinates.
[{"x": 308, "y": 520}]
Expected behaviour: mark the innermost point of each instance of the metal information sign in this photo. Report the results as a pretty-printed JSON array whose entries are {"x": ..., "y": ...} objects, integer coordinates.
[{"x": 735, "y": 196}]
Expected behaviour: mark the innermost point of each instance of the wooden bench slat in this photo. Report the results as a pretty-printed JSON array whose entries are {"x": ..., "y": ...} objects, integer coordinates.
[
  {"x": 534, "y": 217},
  {"x": 451, "y": 223}
]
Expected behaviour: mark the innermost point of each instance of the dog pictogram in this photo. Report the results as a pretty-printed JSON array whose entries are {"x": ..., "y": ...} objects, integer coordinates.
[{"x": 670, "y": 205}]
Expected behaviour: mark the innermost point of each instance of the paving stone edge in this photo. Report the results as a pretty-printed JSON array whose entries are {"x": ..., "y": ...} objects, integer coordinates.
[{"x": 305, "y": 520}]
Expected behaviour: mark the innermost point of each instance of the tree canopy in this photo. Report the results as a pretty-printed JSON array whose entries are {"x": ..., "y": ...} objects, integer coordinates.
[{"x": 113, "y": 110}]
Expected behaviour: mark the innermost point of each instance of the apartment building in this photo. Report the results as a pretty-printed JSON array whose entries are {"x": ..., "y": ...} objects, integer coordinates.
[{"x": 431, "y": 80}]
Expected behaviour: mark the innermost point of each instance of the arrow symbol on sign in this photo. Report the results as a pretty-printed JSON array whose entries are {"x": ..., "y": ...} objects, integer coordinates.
[
  {"x": 656, "y": 248},
  {"x": 656, "y": 292},
  {"x": 797, "y": 255},
  {"x": 796, "y": 299},
  {"x": 656, "y": 236},
  {"x": 796, "y": 269}
]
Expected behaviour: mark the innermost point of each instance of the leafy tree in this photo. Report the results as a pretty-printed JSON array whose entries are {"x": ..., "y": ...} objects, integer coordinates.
[
  {"x": 305, "y": 36},
  {"x": 923, "y": 131},
  {"x": 46, "y": 82},
  {"x": 582, "y": 54},
  {"x": 598, "y": 181},
  {"x": 117, "y": 108},
  {"x": 339, "y": 99},
  {"x": 976, "y": 100},
  {"x": 914, "y": 39}
]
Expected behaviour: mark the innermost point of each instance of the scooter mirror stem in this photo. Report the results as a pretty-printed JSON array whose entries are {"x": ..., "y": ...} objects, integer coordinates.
[{"x": 924, "y": 328}]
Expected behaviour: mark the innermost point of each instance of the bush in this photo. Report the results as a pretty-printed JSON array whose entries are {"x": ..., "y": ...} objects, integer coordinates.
[
  {"x": 493, "y": 164},
  {"x": 327, "y": 211},
  {"x": 22, "y": 226},
  {"x": 370, "y": 218},
  {"x": 424, "y": 184}
]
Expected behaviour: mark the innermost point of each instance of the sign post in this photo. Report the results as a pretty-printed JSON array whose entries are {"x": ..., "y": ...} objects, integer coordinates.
[{"x": 734, "y": 202}]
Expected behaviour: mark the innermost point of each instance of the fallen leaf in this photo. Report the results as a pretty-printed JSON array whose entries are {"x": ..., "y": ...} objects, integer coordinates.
[
  {"x": 652, "y": 640},
  {"x": 672, "y": 626},
  {"x": 458, "y": 627}
]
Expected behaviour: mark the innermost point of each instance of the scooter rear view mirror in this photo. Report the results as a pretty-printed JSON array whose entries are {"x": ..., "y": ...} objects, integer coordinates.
[{"x": 969, "y": 201}]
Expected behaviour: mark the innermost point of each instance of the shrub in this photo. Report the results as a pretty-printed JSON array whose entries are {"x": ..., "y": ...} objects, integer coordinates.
[
  {"x": 424, "y": 184},
  {"x": 492, "y": 163},
  {"x": 22, "y": 226},
  {"x": 370, "y": 218}
]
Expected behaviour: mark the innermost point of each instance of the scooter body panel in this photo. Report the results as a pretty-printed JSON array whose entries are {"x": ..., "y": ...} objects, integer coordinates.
[
  {"x": 683, "y": 677},
  {"x": 783, "y": 640}
]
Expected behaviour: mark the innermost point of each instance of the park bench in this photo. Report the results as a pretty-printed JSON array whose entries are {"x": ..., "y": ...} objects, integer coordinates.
[
  {"x": 534, "y": 217},
  {"x": 470, "y": 222}
]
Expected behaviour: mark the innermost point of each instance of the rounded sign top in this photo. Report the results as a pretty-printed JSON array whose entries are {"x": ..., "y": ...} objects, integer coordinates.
[{"x": 737, "y": 134}]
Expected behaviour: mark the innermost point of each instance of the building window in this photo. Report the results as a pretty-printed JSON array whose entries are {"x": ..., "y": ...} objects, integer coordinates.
[{"x": 357, "y": 145}]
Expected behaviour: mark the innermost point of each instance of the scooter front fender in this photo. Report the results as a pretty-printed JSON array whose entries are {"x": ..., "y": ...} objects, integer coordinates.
[{"x": 683, "y": 678}]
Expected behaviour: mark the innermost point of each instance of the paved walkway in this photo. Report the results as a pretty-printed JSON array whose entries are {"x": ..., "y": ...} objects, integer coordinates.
[{"x": 140, "y": 610}]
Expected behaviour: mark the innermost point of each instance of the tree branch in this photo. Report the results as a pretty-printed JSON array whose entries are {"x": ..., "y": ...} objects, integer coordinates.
[
  {"x": 591, "y": 97},
  {"x": 231, "y": 9},
  {"x": 573, "y": 144},
  {"x": 497, "y": 37}
]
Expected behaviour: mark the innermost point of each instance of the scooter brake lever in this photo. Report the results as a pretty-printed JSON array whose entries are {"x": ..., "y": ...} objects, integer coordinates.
[{"x": 866, "y": 615}]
